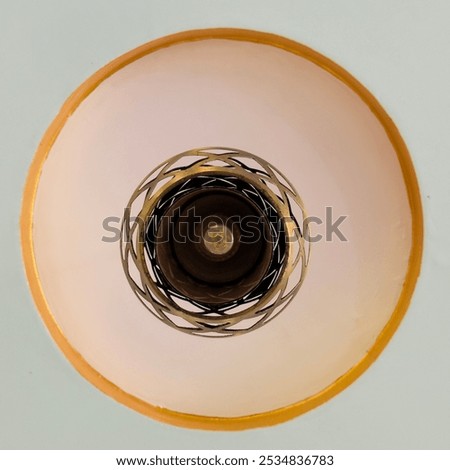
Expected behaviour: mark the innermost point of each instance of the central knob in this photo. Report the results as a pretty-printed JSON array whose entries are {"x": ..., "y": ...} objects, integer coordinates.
[{"x": 218, "y": 238}]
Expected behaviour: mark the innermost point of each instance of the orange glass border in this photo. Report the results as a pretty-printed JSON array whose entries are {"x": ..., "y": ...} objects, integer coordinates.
[{"x": 190, "y": 420}]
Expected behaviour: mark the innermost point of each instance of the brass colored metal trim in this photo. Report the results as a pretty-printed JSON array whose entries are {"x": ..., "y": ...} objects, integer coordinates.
[
  {"x": 206, "y": 422},
  {"x": 171, "y": 172}
]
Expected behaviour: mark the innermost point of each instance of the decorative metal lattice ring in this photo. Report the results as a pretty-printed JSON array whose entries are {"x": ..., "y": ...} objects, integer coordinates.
[{"x": 246, "y": 305}]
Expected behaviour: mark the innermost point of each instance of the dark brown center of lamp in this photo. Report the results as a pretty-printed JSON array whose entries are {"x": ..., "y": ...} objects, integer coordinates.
[{"x": 215, "y": 244}]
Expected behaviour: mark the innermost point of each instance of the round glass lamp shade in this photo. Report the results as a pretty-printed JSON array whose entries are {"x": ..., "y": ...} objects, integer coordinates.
[{"x": 216, "y": 334}]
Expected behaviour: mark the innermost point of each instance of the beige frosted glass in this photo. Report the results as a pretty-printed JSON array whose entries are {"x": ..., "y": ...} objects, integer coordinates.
[{"x": 278, "y": 106}]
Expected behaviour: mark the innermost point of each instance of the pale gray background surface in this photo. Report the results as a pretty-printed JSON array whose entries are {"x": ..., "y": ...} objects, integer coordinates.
[{"x": 398, "y": 49}]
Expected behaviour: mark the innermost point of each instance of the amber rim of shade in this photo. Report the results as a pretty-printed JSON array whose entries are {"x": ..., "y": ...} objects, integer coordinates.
[{"x": 207, "y": 422}]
